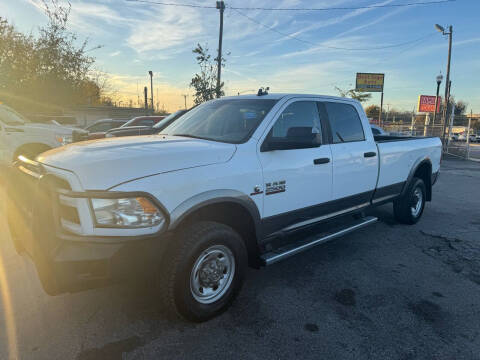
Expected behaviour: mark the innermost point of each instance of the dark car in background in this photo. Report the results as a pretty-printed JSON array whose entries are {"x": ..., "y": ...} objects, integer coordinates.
[
  {"x": 145, "y": 130},
  {"x": 136, "y": 121},
  {"x": 98, "y": 129}
]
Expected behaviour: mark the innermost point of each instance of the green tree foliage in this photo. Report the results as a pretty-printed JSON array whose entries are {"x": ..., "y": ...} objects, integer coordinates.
[
  {"x": 372, "y": 111},
  {"x": 205, "y": 83},
  {"x": 48, "y": 71},
  {"x": 352, "y": 93},
  {"x": 460, "y": 107}
]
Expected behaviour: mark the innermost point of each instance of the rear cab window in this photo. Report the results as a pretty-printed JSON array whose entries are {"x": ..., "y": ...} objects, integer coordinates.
[{"x": 345, "y": 123}]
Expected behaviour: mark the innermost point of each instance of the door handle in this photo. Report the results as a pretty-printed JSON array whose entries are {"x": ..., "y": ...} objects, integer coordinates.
[
  {"x": 370, "y": 154},
  {"x": 321, "y": 161}
]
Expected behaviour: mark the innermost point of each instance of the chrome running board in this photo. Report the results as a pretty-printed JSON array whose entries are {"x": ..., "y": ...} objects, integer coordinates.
[{"x": 290, "y": 250}]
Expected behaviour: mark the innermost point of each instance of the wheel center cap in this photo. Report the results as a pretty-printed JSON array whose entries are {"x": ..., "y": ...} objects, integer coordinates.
[{"x": 211, "y": 273}]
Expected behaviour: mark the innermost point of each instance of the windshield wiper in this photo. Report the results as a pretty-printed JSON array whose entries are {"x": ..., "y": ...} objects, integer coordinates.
[{"x": 191, "y": 136}]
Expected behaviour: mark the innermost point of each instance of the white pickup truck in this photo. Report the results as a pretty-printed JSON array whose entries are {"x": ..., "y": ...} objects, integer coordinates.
[
  {"x": 18, "y": 136},
  {"x": 234, "y": 182}
]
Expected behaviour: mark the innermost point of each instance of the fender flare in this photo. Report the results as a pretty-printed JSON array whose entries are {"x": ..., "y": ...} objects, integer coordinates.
[
  {"x": 214, "y": 197},
  {"x": 416, "y": 165}
]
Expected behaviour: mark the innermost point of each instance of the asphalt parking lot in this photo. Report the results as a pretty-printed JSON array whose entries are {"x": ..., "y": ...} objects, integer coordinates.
[{"x": 388, "y": 291}]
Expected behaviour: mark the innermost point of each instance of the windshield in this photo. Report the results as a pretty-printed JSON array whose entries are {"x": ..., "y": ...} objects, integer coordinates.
[
  {"x": 167, "y": 119},
  {"x": 129, "y": 122},
  {"x": 231, "y": 120},
  {"x": 10, "y": 117}
]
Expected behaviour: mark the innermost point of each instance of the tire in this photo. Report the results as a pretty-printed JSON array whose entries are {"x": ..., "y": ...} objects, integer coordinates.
[
  {"x": 203, "y": 254},
  {"x": 408, "y": 209}
]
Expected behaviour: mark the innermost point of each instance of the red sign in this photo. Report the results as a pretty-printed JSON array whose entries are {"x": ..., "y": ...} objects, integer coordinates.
[{"x": 426, "y": 103}]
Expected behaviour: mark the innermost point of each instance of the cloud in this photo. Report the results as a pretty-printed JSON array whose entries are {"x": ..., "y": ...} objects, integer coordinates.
[
  {"x": 166, "y": 27},
  {"x": 115, "y": 53},
  {"x": 337, "y": 20}
]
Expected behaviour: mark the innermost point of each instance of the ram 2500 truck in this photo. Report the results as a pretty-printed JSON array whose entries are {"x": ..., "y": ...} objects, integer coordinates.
[{"x": 237, "y": 181}]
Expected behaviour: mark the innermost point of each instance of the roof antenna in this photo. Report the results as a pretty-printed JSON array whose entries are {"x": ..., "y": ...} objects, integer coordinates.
[{"x": 263, "y": 91}]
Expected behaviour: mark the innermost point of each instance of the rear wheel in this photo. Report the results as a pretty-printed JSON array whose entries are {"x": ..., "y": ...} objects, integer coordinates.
[
  {"x": 203, "y": 270},
  {"x": 408, "y": 209}
]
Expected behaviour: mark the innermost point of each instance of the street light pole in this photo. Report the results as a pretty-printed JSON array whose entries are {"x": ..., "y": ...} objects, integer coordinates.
[
  {"x": 439, "y": 81},
  {"x": 185, "y": 98},
  {"x": 221, "y": 7},
  {"x": 447, "y": 82},
  {"x": 151, "y": 88}
]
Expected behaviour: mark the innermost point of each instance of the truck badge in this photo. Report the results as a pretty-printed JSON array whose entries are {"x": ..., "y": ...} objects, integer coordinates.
[{"x": 275, "y": 187}]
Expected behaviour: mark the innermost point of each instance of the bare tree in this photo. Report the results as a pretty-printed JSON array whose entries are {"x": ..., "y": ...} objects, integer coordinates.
[
  {"x": 205, "y": 83},
  {"x": 352, "y": 93}
]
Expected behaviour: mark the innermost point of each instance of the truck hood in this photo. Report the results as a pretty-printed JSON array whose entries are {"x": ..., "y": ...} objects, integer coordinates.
[{"x": 102, "y": 164}]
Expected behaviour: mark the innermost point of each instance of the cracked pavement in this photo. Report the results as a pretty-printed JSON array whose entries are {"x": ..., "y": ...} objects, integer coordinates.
[{"x": 388, "y": 291}]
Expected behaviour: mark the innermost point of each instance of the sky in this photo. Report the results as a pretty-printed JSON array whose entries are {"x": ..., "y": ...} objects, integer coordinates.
[{"x": 137, "y": 37}]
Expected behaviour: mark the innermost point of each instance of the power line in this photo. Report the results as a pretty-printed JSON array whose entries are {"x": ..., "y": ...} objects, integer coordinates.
[
  {"x": 293, "y": 37},
  {"x": 173, "y": 4},
  {"x": 421, "y": 3},
  {"x": 344, "y": 8}
]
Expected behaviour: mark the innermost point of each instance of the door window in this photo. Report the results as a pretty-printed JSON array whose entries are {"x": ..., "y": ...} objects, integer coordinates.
[
  {"x": 345, "y": 123},
  {"x": 300, "y": 120},
  {"x": 147, "y": 122}
]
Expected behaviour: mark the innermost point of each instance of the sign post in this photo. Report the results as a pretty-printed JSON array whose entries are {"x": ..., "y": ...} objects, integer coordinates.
[{"x": 371, "y": 82}]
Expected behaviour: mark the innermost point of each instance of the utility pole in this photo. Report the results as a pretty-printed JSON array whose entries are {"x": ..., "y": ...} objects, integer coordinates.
[
  {"x": 381, "y": 109},
  {"x": 185, "y": 98},
  {"x": 138, "y": 96},
  {"x": 151, "y": 89},
  {"x": 447, "y": 82},
  {"x": 145, "y": 93},
  {"x": 221, "y": 7}
]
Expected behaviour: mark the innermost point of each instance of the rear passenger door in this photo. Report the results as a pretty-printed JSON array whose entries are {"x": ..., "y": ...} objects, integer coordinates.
[{"x": 354, "y": 156}]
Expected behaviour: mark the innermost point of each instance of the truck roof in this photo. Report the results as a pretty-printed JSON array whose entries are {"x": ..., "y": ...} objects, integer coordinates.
[{"x": 278, "y": 96}]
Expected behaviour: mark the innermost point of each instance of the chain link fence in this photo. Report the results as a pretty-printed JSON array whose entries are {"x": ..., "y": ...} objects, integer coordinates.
[{"x": 462, "y": 134}]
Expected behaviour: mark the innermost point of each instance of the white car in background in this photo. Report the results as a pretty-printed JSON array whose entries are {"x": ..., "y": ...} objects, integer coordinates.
[{"x": 19, "y": 136}]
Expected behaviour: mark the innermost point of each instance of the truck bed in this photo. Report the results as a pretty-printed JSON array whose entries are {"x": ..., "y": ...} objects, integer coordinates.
[{"x": 399, "y": 154}]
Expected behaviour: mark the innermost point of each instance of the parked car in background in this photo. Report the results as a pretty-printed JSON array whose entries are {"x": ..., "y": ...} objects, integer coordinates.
[
  {"x": 477, "y": 138},
  {"x": 145, "y": 130},
  {"x": 98, "y": 129},
  {"x": 454, "y": 137},
  {"x": 377, "y": 130},
  {"x": 148, "y": 121},
  {"x": 19, "y": 136},
  {"x": 104, "y": 125}
]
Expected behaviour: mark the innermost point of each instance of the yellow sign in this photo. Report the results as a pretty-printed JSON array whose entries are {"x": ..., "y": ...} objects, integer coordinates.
[{"x": 369, "y": 82}]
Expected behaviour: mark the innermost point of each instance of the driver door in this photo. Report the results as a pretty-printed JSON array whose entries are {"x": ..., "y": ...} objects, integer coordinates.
[{"x": 298, "y": 177}]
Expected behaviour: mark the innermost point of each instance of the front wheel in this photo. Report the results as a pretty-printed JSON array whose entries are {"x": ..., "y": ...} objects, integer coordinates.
[
  {"x": 203, "y": 270},
  {"x": 408, "y": 209}
]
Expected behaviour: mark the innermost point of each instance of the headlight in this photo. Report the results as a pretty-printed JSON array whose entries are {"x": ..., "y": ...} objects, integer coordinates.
[
  {"x": 136, "y": 212},
  {"x": 64, "y": 139}
]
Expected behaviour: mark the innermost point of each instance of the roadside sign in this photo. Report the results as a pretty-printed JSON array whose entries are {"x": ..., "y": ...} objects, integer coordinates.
[
  {"x": 369, "y": 82},
  {"x": 426, "y": 103}
]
